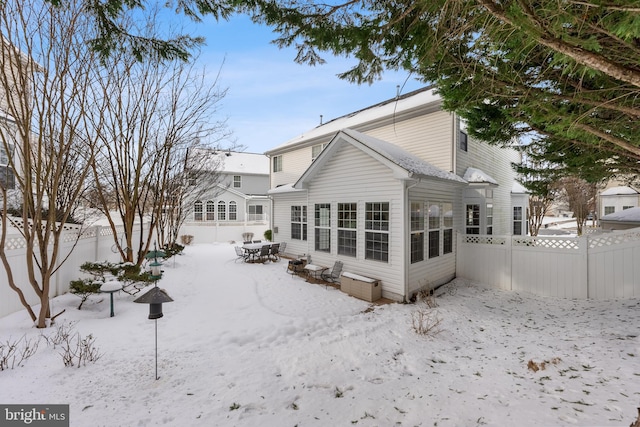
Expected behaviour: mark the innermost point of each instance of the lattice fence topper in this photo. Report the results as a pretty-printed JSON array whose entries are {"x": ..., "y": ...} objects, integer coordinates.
[
  {"x": 547, "y": 242},
  {"x": 613, "y": 239},
  {"x": 485, "y": 240},
  {"x": 15, "y": 243}
]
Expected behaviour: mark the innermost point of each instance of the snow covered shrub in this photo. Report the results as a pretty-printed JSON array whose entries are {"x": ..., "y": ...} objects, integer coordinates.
[
  {"x": 15, "y": 353},
  {"x": 75, "y": 350},
  {"x": 84, "y": 288},
  {"x": 186, "y": 239}
]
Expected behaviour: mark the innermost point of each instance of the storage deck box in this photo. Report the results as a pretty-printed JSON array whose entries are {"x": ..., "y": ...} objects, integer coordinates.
[{"x": 361, "y": 287}]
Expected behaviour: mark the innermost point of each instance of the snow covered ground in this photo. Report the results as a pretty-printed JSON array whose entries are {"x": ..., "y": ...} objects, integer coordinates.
[{"x": 249, "y": 345}]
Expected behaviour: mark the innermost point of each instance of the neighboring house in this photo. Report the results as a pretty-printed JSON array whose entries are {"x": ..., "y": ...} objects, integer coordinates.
[
  {"x": 236, "y": 203},
  {"x": 386, "y": 190},
  {"x": 617, "y": 199},
  {"x": 622, "y": 220}
]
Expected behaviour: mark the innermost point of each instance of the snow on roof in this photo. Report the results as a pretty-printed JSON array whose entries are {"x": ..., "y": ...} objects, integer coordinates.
[
  {"x": 518, "y": 188},
  {"x": 234, "y": 161},
  {"x": 476, "y": 176},
  {"x": 618, "y": 191},
  {"x": 285, "y": 188},
  {"x": 402, "y": 158},
  {"x": 626, "y": 215},
  {"x": 386, "y": 108}
]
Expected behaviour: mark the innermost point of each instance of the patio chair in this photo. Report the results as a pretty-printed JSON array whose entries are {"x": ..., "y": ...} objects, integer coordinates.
[
  {"x": 263, "y": 255},
  {"x": 241, "y": 254},
  {"x": 333, "y": 276},
  {"x": 275, "y": 252},
  {"x": 257, "y": 241},
  {"x": 283, "y": 248}
]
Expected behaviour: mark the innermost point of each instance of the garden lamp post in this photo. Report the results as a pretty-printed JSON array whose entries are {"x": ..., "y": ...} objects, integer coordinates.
[{"x": 155, "y": 297}]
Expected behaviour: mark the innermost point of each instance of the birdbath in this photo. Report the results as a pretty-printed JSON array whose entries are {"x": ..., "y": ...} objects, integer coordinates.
[{"x": 111, "y": 288}]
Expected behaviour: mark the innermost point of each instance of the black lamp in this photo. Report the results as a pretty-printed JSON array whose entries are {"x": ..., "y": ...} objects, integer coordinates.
[{"x": 155, "y": 297}]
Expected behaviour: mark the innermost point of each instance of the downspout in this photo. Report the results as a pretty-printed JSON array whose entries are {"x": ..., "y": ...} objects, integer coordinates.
[{"x": 407, "y": 238}]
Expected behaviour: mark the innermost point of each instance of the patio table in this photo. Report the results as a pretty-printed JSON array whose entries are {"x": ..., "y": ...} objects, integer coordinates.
[
  {"x": 314, "y": 271},
  {"x": 253, "y": 249}
]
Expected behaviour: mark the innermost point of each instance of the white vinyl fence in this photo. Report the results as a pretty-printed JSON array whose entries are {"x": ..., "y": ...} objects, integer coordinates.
[
  {"x": 596, "y": 266},
  {"x": 95, "y": 244}
]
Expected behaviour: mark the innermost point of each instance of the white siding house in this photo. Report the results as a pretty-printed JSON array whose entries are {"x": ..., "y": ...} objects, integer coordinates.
[
  {"x": 386, "y": 189},
  {"x": 236, "y": 203},
  {"x": 617, "y": 199}
]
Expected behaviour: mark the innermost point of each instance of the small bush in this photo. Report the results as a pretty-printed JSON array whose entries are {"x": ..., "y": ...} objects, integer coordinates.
[
  {"x": 75, "y": 350},
  {"x": 172, "y": 249},
  {"x": 186, "y": 239},
  {"x": 84, "y": 288},
  {"x": 15, "y": 353},
  {"x": 268, "y": 234},
  {"x": 425, "y": 321}
]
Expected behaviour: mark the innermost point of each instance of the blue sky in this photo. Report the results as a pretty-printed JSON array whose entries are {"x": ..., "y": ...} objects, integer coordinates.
[{"x": 272, "y": 99}]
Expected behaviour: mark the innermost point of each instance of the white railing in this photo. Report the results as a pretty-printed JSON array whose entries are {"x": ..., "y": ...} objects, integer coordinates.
[{"x": 598, "y": 266}]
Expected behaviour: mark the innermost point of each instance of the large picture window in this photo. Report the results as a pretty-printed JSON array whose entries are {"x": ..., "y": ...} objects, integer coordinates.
[
  {"x": 377, "y": 231},
  {"x": 347, "y": 228},
  {"x": 299, "y": 222},
  {"x": 417, "y": 232},
  {"x": 322, "y": 215}
]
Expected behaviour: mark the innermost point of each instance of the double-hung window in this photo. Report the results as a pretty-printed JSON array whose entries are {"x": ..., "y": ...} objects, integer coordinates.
[
  {"x": 211, "y": 207},
  {"x": 447, "y": 228},
  {"x": 417, "y": 232},
  {"x": 435, "y": 216},
  {"x": 472, "y": 219},
  {"x": 518, "y": 229},
  {"x": 237, "y": 181},
  {"x": 322, "y": 227},
  {"x": 316, "y": 150},
  {"x": 347, "y": 228},
  {"x": 233, "y": 211},
  {"x": 489, "y": 213},
  {"x": 277, "y": 163},
  {"x": 7, "y": 177},
  {"x": 376, "y": 234},
  {"x": 255, "y": 212},
  {"x": 222, "y": 211},
  {"x": 299, "y": 222},
  {"x": 197, "y": 211}
]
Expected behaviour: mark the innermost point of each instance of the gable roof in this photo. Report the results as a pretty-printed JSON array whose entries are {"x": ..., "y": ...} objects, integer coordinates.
[
  {"x": 619, "y": 191},
  {"x": 392, "y": 109},
  {"x": 403, "y": 164}
]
